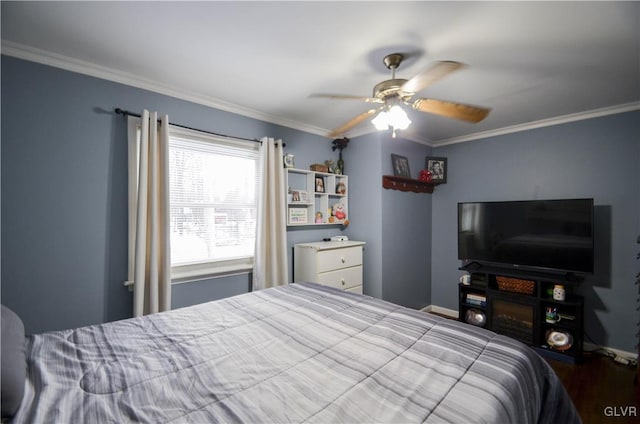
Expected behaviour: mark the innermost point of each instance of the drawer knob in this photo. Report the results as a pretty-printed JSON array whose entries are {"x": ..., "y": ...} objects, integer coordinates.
[
  {"x": 342, "y": 281},
  {"x": 342, "y": 259}
]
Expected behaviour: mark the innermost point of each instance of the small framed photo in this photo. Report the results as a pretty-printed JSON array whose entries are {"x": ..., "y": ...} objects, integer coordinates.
[
  {"x": 438, "y": 168},
  {"x": 299, "y": 196},
  {"x": 319, "y": 185},
  {"x": 400, "y": 166},
  {"x": 289, "y": 160}
]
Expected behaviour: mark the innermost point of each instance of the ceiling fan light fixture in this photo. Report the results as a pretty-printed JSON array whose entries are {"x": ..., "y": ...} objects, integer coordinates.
[
  {"x": 398, "y": 118},
  {"x": 381, "y": 122},
  {"x": 395, "y": 118}
]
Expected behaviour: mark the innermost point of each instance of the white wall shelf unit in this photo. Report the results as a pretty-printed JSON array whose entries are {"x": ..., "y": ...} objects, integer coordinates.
[{"x": 310, "y": 193}]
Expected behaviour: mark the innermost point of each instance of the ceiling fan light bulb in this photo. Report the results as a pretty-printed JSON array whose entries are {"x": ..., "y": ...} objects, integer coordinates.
[
  {"x": 398, "y": 118},
  {"x": 381, "y": 122}
]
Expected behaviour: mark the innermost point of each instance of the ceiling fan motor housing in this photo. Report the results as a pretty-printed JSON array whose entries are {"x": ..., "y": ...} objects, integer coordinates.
[{"x": 388, "y": 88}]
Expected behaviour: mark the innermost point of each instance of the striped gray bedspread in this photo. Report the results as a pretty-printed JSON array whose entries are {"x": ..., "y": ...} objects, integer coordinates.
[{"x": 297, "y": 353}]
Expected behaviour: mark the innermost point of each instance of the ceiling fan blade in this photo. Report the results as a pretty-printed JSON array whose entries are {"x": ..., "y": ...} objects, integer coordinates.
[
  {"x": 435, "y": 73},
  {"x": 352, "y": 123},
  {"x": 452, "y": 110},
  {"x": 348, "y": 97}
]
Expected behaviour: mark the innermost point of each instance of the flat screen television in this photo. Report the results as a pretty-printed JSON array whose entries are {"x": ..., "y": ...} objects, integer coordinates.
[{"x": 553, "y": 235}]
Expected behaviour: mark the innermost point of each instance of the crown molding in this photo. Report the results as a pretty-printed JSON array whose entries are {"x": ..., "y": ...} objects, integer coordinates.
[
  {"x": 558, "y": 120},
  {"x": 32, "y": 54}
]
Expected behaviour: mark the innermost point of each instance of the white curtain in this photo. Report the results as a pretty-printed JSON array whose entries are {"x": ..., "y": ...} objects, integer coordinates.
[
  {"x": 152, "y": 260},
  {"x": 270, "y": 261}
]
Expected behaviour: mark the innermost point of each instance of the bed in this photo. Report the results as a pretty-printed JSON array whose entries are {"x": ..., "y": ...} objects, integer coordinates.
[{"x": 296, "y": 353}]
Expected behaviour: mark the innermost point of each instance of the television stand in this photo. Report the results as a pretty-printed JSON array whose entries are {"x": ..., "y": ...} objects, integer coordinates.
[
  {"x": 573, "y": 278},
  {"x": 515, "y": 303},
  {"x": 472, "y": 266}
]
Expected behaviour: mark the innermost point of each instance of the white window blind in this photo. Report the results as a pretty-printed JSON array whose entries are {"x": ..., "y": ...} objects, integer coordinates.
[{"x": 213, "y": 203}]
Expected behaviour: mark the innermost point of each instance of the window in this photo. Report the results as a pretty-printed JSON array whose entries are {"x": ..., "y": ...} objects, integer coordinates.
[{"x": 213, "y": 203}]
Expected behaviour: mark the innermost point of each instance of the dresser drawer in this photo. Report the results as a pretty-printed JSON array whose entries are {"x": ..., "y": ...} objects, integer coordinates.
[
  {"x": 356, "y": 289},
  {"x": 329, "y": 260},
  {"x": 345, "y": 278}
]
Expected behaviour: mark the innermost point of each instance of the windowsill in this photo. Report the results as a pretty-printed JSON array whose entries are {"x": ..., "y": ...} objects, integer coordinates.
[{"x": 210, "y": 270}]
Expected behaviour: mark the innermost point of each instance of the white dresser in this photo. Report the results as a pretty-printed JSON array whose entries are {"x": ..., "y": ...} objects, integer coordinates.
[{"x": 332, "y": 263}]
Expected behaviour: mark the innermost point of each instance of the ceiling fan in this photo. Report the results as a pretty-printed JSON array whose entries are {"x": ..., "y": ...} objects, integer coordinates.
[{"x": 393, "y": 93}]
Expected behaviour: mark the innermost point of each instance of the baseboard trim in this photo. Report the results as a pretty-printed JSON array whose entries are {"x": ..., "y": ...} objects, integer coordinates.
[
  {"x": 622, "y": 353},
  {"x": 452, "y": 313}
]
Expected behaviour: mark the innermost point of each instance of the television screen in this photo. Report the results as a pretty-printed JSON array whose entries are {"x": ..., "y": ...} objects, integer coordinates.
[{"x": 550, "y": 234}]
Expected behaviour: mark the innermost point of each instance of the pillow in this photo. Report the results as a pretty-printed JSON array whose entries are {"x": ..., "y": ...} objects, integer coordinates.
[{"x": 14, "y": 362}]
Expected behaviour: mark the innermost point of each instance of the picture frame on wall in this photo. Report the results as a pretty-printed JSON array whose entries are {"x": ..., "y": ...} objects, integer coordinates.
[
  {"x": 438, "y": 168},
  {"x": 400, "y": 166}
]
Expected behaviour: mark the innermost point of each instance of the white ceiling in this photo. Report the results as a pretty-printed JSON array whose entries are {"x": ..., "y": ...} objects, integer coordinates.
[{"x": 530, "y": 62}]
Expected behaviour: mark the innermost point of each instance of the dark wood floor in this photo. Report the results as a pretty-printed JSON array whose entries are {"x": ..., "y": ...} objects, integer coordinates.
[{"x": 602, "y": 390}]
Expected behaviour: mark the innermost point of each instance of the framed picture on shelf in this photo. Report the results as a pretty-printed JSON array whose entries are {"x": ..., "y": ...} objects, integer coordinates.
[
  {"x": 298, "y": 196},
  {"x": 319, "y": 185},
  {"x": 297, "y": 215},
  {"x": 400, "y": 166},
  {"x": 289, "y": 160},
  {"x": 438, "y": 168}
]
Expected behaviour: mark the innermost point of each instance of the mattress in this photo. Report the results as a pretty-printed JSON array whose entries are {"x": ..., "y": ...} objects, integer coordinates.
[{"x": 296, "y": 353}]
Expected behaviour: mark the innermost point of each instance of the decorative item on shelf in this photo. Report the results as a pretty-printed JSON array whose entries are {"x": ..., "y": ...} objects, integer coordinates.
[
  {"x": 341, "y": 188},
  {"x": 289, "y": 160},
  {"x": 559, "y": 340},
  {"x": 331, "y": 166},
  {"x": 318, "y": 167},
  {"x": 438, "y": 168},
  {"x": 475, "y": 317},
  {"x": 340, "y": 144},
  {"x": 559, "y": 292},
  {"x": 319, "y": 185},
  {"x": 465, "y": 279},
  {"x": 551, "y": 315},
  {"x": 338, "y": 211},
  {"x": 299, "y": 196},
  {"x": 318, "y": 219},
  {"x": 297, "y": 216},
  {"x": 424, "y": 176},
  {"x": 400, "y": 166},
  {"x": 515, "y": 285}
]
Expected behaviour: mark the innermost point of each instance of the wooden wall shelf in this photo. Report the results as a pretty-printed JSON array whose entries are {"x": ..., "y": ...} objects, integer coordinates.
[{"x": 407, "y": 184}]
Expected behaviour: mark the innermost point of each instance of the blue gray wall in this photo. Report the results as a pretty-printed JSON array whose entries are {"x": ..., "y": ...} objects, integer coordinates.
[
  {"x": 64, "y": 193},
  {"x": 406, "y": 231},
  {"x": 596, "y": 158},
  {"x": 396, "y": 225},
  {"x": 64, "y": 201}
]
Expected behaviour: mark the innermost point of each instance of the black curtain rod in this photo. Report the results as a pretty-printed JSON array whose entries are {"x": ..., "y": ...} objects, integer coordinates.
[{"x": 127, "y": 113}]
